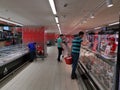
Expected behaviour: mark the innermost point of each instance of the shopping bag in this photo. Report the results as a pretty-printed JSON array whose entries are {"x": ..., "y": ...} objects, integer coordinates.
[{"x": 68, "y": 60}]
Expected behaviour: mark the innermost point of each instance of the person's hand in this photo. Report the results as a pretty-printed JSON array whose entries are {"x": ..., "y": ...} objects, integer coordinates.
[
  {"x": 87, "y": 42},
  {"x": 68, "y": 54}
]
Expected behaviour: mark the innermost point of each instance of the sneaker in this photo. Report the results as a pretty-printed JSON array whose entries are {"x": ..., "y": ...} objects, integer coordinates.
[
  {"x": 76, "y": 76},
  {"x": 58, "y": 60},
  {"x": 72, "y": 76}
]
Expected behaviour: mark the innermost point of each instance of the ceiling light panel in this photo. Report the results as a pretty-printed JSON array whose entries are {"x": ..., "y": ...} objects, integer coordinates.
[
  {"x": 8, "y": 21},
  {"x": 114, "y": 23},
  {"x": 52, "y": 4},
  {"x": 56, "y": 19},
  {"x": 97, "y": 28},
  {"x": 109, "y": 3}
]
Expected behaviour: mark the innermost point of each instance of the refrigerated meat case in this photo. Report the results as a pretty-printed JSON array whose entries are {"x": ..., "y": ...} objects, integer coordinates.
[
  {"x": 11, "y": 57},
  {"x": 102, "y": 69}
]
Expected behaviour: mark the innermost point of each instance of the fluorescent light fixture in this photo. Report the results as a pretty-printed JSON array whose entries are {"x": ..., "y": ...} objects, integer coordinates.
[
  {"x": 58, "y": 25},
  {"x": 16, "y": 23},
  {"x": 56, "y": 19},
  {"x": 8, "y": 21},
  {"x": 59, "y": 28},
  {"x": 109, "y": 3},
  {"x": 113, "y": 23},
  {"x": 97, "y": 28},
  {"x": 52, "y": 4},
  {"x": 92, "y": 16}
]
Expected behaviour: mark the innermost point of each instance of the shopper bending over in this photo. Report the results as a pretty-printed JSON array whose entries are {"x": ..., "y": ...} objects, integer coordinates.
[
  {"x": 76, "y": 44},
  {"x": 32, "y": 50},
  {"x": 60, "y": 46}
]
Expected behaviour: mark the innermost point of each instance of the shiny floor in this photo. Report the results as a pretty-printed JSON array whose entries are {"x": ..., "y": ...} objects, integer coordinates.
[{"x": 45, "y": 74}]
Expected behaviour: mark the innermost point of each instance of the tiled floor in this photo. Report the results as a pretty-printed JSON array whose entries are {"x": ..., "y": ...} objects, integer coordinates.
[{"x": 45, "y": 74}]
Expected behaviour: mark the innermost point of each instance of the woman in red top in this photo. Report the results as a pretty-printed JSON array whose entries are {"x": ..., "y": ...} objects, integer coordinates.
[{"x": 113, "y": 45}]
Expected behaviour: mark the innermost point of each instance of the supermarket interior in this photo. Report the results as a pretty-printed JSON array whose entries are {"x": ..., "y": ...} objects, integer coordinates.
[{"x": 39, "y": 40}]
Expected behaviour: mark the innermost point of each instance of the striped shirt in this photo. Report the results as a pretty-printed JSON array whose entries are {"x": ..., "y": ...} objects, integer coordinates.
[{"x": 76, "y": 44}]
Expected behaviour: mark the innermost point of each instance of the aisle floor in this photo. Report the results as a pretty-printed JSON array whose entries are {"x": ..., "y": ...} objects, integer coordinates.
[{"x": 45, "y": 74}]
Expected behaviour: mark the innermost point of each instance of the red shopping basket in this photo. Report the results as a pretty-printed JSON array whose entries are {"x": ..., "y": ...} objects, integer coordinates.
[{"x": 68, "y": 60}]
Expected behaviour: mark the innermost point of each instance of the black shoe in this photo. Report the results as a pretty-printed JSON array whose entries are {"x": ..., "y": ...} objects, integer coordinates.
[
  {"x": 74, "y": 76},
  {"x": 58, "y": 60}
]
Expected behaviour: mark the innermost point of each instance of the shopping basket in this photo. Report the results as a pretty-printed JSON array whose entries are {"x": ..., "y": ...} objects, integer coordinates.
[{"x": 68, "y": 60}]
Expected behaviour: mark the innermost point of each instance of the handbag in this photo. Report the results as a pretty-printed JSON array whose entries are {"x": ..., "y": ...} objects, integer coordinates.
[{"x": 68, "y": 60}]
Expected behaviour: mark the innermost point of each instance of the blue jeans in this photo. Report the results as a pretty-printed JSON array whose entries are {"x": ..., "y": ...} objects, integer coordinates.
[{"x": 75, "y": 57}]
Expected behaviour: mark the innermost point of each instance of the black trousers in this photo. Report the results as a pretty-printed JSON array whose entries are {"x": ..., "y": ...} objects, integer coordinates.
[
  {"x": 32, "y": 55},
  {"x": 59, "y": 53}
]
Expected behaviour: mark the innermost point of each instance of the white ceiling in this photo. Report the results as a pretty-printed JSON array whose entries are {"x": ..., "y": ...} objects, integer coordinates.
[{"x": 39, "y": 13}]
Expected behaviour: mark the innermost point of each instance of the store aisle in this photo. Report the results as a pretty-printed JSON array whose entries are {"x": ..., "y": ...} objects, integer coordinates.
[{"x": 45, "y": 74}]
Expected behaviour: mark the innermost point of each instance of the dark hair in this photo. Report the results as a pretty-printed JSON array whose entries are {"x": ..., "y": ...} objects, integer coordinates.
[
  {"x": 81, "y": 33},
  {"x": 34, "y": 42},
  {"x": 61, "y": 35}
]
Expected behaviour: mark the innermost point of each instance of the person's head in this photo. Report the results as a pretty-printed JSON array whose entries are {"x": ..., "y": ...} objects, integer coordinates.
[
  {"x": 112, "y": 40},
  {"x": 34, "y": 43},
  {"x": 81, "y": 34},
  {"x": 61, "y": 35}
]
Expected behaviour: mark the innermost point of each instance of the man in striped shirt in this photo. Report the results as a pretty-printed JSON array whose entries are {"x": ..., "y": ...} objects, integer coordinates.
[{"x": 76, "y": 44}]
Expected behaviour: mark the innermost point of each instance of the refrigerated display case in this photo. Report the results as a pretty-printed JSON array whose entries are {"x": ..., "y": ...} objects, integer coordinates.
[
  {"x": 12, "y": 57},
  {"x": 101, "y": 70},
  {"x": 100, "y": 60}
]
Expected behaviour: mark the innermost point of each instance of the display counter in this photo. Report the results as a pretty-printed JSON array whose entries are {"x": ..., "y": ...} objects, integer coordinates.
[
  {"x": 12, "y": 57},
  {"x": 100, "y": 68}
]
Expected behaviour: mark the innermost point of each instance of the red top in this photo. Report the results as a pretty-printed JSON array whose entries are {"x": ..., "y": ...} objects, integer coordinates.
[
  {"x": 113, "y": 48},
  {"x": 39, "y": 48}
]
